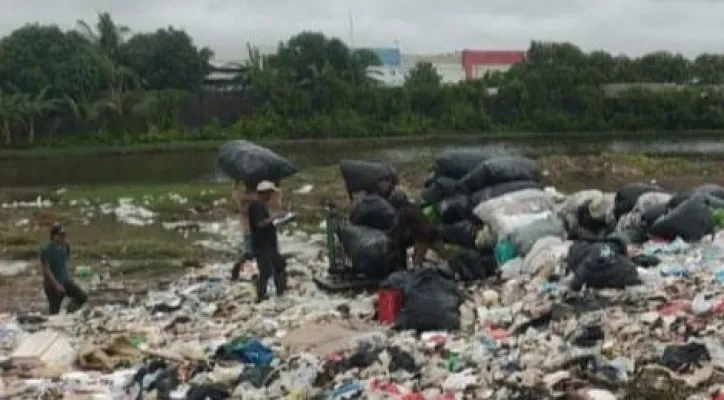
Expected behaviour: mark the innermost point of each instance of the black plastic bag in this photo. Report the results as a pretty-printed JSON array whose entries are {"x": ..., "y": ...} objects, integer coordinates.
[
  {"x": 432, "y": 302},
  {"x": 251, "y": 163},
  {"x": 500, "y": 170},
  {"x": 207, "y": 392},
  {"x": 681, "y": 358},
  {"x": 374, "y": 212},
  {"x": 690, "y": 220},
  {"x": 650, "y": 215},
  {"x": 398, "y": 280},
  {"x": 454, "y": 209},
  {"x": 471, "y": 265},
  {"x": 708, "y": 188},
  {"x": 599, "y": 266},
  {"x": 461, "y": 233},
  {"x": 368, "y": 249},
  {"x": 364, "y": 175},
  {"x": 457, "y": 163},
  {"x": 501, "y": 189},
  {"x": 440, "y": 188},
  {"x": 627, "y": 196}
]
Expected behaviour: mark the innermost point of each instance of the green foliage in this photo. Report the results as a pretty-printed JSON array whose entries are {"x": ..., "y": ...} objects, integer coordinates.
[{"x": 103, "y": 84}]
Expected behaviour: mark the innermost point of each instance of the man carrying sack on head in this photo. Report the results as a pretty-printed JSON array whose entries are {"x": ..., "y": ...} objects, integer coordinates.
[
  {"x": 57, "y": 282},
  {"x": 264, "y": 241}
]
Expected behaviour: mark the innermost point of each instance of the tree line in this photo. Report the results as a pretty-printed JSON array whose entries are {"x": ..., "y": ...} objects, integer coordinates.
[{"x": 101, "y": 83}]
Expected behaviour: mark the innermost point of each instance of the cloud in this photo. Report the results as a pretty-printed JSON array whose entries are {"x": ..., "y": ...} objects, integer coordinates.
[{"x": 618, "y": 26}]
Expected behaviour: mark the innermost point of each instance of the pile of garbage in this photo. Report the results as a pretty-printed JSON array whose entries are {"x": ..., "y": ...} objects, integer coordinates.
[{"x": 590, "y": 295}]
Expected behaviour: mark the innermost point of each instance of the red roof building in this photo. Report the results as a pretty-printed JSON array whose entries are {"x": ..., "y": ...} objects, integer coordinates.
[{"x": 479, "y": 62}]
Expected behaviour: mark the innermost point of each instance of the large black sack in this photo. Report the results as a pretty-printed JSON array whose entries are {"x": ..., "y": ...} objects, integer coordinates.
[
  {"x": 651, "y": 215},
  {"x": 461, "y": 233},
  {"x": 432, "y": 302},
  {"x": 708, "y": 188},
  {"x": 439, "y": 188},
  {"x": 454, "y": 209},
  {"x": 364, "y": 175},
  {"x": 501, "y": 189},
  {"x": 373, "y": 211},
  {"x": 368, "y": 249},
  {"x": 471, "y": 265},
  {"x": 690, "y": 220},
  {"x": 599, "y": 265},
  {"x": 248, "y": 162},
  {"x": 500, "y": 170},
  {"x": 627, "y": 196},
  {"x": 457, "y": 163}
]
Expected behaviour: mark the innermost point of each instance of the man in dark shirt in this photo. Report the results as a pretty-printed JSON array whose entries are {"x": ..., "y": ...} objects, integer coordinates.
[
  {"x": 57, "y": 282},
  {"x": 264, "y": 241},
  {"x": 411, "y": 223}
]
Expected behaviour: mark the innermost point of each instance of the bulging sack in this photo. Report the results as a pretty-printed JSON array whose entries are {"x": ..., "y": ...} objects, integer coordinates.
[
  {"x": 500, "y": 189},
  {"x": 520, "y": 202},
  {"x": 432, "y": 302},
  {"x": 500, "y": 170},
  {"x": 709, "y": 188},
  {"x": 439, "y": 188},
  {"x": 627, "y": 196},
  {"x": 364, "y": 175},
  {"x": 374, "y": 212},
  {"x": 456, "y": 163},
  {"x": 526, "y": 236},
  {"x": 248, "y": 162},
  {"x": 367, "y": 249},
  {"x": 690, "y": 220},
  {"x": 461, "y": 234},
  {"x": 454, "y": 209},
  {"x": 599, "y": 266}
]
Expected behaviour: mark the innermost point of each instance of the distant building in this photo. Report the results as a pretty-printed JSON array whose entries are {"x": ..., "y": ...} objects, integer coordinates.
[
  {"x": 390, "y": 72},
  {"x": 477, "y": 63},
  {"x": 448, "y": 65},
  {"x": 226, "y": 76}
]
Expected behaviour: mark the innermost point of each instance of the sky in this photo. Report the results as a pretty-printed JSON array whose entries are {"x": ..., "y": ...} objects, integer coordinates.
[{"x": 633, "y": 27}]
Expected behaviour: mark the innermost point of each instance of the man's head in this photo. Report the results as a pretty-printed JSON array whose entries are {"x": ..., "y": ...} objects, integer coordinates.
[
  {"x": 266, "y": 190},
  {"x": 58, "y": 233}
]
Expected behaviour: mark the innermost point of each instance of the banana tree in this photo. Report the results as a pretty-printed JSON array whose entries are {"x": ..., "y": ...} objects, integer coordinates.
[
  {"x": 106, "y": 35},
  {"x": 32, "y": 107},
  {"x": 10, "y": 113}
]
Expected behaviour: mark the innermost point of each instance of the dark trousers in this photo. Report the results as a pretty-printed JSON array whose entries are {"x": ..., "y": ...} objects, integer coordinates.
[
  {"x": 55, "y": 298},
  {"x": 271, "y": 265}
]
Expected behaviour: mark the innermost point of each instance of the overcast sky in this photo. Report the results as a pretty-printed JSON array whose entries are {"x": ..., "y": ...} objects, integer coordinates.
[{"x": 420, "y": 26}]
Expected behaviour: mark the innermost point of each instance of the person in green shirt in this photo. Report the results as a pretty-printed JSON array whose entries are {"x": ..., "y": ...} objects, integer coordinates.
[{"x": 57, "y": 281}]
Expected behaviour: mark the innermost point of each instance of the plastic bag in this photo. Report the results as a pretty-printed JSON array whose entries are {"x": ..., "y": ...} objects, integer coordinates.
[
  {"x": 627, "y": 196},
  {"x": 709, "y": 188},
  {"x": 461, "y": 234},
  {"x": 520, "y": 202},
  {"x": 251, "y": 163},
  {"x": 367, "y": 249},
  {"x": 373, "y": 212},
  {"x": 599, "y": 266},
  {"x": 456, "y": 163},
  {"x": 441, "y": 187},
  {"x": 690, "y": 220},
  {"x": 432, "y": 302},
  {"x": 546, "y": 253},
  {"x": 364, "y": 175},
  {"x": 503, "y": 225},
  {"x": 454, "y": 209},
  {"x": 500, "y": 170},
  {"x": 500, "y": 189},
  {"x": 524, "y": 237},
  {"x": 470, "y": 265}
]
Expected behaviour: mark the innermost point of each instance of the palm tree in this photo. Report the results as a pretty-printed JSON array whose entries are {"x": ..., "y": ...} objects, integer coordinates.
[{"x": 106, "y": 35}]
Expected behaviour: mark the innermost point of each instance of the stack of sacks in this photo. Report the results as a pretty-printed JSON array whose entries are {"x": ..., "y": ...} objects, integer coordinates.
[
  {"x": 365, "y": 239},
  {"x": 465, "y": 179}
]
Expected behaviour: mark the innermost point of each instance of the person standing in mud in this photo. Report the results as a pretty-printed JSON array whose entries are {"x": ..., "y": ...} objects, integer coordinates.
[
  {"x": 242, "y": 195},
  {"x": 57, "y": 282},
  {"x": 264, "y": 241}
]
